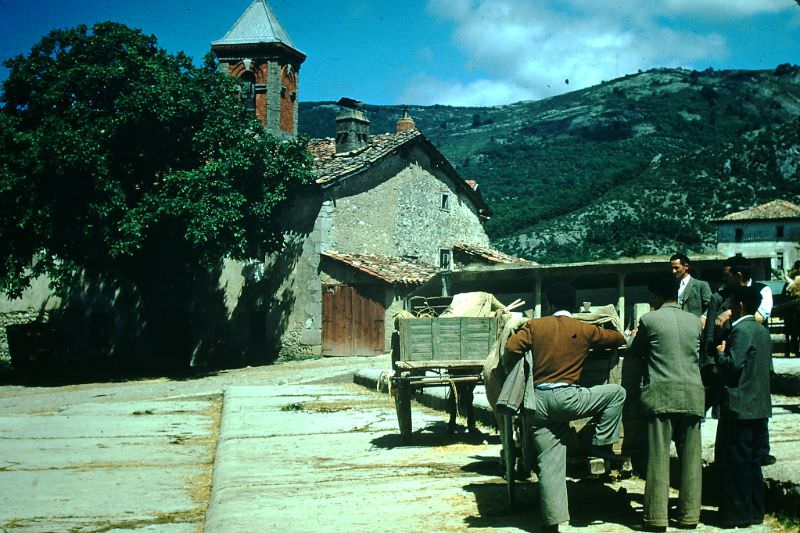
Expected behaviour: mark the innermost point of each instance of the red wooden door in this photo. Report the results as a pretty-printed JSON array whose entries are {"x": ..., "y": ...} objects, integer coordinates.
[{"x": 352, "y": 323}]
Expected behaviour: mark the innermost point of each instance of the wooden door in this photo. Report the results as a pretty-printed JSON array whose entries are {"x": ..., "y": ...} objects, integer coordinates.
[{"x": 352, "y": 323}]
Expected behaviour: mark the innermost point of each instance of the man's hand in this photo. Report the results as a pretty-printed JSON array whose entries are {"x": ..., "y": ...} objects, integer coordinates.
[
  {"x": 721, "y": 347},
  {"x": 723, "y": 317}
]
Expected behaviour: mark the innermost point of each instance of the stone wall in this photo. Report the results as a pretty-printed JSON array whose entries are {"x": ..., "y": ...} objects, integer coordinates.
[
  {"x": 396, "y": 210},
  {"x": 293, "y": 296}
]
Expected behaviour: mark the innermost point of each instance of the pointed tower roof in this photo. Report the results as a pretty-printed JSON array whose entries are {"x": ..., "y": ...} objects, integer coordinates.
[{"x": 258, "y": 24}]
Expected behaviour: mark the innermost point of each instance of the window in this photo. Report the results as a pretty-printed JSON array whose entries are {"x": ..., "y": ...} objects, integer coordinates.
[
  {"x": 779, "y": 232},
  {"x": 739, "y": 235},
  {"x": 248, "y": 90},
  {"x": 445, "y": 257},
  {"x": 445, "y": 202},
  {"x": 779, "y": 262}
]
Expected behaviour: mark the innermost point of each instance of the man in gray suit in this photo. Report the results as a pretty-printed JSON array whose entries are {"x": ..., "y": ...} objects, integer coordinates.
[
  {"x": 673, "y": 397},
  {"x": 693, "y": 294},
  {"x": 743, "y": 370}
]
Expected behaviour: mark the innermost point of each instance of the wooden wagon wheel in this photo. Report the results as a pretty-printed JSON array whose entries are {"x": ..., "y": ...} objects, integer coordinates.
[{"x": 402, "y": 404}]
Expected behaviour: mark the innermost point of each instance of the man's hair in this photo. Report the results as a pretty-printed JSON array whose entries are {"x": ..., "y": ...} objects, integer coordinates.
[
  {"x": 561, "y": 295},
  {"x": 739, "y": 263},
  {"x": 683, "y": 258},
  {"x": 749, "y": 297},
  {"x": 665, "y": 286}
]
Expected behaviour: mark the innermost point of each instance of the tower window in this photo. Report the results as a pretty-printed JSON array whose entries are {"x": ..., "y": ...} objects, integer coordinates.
[
  {"x": 247, "y": 89},
  {"x": 738, "y": 235},
  {"x": 283, "y": 92},
  {"x": 779, "y": 232},
  {"x": 445, "y": 202}
]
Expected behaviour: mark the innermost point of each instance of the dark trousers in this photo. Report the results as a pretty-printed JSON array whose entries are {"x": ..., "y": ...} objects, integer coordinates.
[{"x": 739, "y": 448}]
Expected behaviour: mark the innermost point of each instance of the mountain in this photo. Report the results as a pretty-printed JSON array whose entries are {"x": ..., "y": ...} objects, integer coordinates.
[{"x": 632, "y": 166}]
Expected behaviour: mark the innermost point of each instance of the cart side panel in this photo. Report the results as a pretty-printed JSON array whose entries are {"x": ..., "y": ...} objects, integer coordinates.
[{"x": 451, "y": 338}]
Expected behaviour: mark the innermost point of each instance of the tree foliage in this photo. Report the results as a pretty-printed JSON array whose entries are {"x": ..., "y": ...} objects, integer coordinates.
[{"x": 113, "y": 151}]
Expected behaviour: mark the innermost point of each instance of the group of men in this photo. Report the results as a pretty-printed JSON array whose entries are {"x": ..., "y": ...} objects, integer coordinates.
[{"x": 701, "y": 350}]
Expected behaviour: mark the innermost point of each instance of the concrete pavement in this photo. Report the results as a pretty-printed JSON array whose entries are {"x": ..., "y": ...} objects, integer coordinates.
[{"x": 294, "y": 447}]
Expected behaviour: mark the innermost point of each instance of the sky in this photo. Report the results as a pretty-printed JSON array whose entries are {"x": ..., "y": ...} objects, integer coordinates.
[{"x": 454, "y": 52}]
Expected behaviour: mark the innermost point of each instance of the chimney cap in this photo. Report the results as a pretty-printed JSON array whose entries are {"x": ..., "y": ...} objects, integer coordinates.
[
  {"x": 350, "y": 103},
  {"x": 406, "y": 123}
]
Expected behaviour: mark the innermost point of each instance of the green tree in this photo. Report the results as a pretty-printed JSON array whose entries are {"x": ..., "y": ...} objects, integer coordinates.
[{"x": 122, "y": 159}]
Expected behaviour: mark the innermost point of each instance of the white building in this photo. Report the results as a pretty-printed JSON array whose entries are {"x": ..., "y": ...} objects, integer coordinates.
[{"x": 768, "y": 230}]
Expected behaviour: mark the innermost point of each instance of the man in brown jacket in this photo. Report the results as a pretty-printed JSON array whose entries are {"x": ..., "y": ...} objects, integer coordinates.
[{"x": 560, "y": 344}]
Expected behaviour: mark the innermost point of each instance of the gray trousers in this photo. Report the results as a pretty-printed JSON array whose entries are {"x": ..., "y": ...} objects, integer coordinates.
[
  {"x": 554, "y": 410},
  {"x": 685, "y": 431}
]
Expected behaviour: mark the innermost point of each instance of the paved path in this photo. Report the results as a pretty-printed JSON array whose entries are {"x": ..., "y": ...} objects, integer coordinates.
[{"x": 294, "y": 448}]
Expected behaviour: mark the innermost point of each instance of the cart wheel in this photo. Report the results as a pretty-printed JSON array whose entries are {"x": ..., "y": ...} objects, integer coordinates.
[
  {"x": 402, "y": 403},
  {"x": 508, "y": 457}
]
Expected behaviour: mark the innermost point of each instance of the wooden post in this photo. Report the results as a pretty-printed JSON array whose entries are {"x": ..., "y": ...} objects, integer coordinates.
[
  {"x": 445, "y": 285},
  {"x": 537, "y": 298},
  {"x": 621, "y": 297}
]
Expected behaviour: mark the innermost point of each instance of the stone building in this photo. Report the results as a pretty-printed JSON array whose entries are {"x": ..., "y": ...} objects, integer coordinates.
[
  {"x": 258, "y": 51},
  {"x": 767, "y": 230},
  {"x": 385, "y": 214}
]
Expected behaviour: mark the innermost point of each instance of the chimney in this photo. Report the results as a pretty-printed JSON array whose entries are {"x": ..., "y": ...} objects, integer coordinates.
[
  {"x": 406, "y": 123},
  {"x": 352, "y": 126}
]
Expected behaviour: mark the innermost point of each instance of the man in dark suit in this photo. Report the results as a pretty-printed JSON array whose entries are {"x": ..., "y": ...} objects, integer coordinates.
[
  {"x": 674, "y": 400},
  {"x": 560, "y": 344},
  {"x": 736, "y": 272},
  {"x": 743, "y": 369},
  {"x": 693, "y": 294}
]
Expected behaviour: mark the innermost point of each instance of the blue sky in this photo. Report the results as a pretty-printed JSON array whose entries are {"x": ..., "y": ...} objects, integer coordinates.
[{"x": 454, "y": 52}]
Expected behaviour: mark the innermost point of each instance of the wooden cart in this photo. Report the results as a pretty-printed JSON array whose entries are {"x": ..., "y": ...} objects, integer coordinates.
[{"x": 436, "y": 352}]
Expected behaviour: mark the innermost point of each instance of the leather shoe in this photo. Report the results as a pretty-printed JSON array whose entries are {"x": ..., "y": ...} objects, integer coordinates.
[
  {"x": 733, "y": 525},
  {"x": 684, "y": 526},
  {"x": 604, "y": 452},
  {"x": 552, "y": 528},
  {"x": 768, "y": 460},
  {"x": 648, "y": 527}
]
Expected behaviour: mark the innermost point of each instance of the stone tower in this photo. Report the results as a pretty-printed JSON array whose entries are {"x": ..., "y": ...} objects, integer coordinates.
[{"x": 258, "y": 51}]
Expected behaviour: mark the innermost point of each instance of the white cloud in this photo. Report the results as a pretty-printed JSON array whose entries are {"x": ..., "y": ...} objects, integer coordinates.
[
  {"x": 526, "y": 50},
  {"x": 425, "y": 90},
  {"x": 724, "y": 9}
]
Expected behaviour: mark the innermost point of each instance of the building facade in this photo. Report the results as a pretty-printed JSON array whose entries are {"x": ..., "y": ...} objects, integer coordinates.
[
  {"x": 385, "y": 214},
  {"x": 768, "y": 230}
]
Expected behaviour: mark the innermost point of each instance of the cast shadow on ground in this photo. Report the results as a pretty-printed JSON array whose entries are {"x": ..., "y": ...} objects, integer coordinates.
[
  {"x": 591, "y": 503},
  {"x": 434, "y": 435}
]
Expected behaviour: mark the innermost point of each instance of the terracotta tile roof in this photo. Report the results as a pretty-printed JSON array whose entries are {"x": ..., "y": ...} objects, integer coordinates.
[
  {"x": 776, "y": 209},
  {"x": 392, "y": 270},
  {"x": 491, "y": 255},
  {"x": 328, "y": 166}
]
